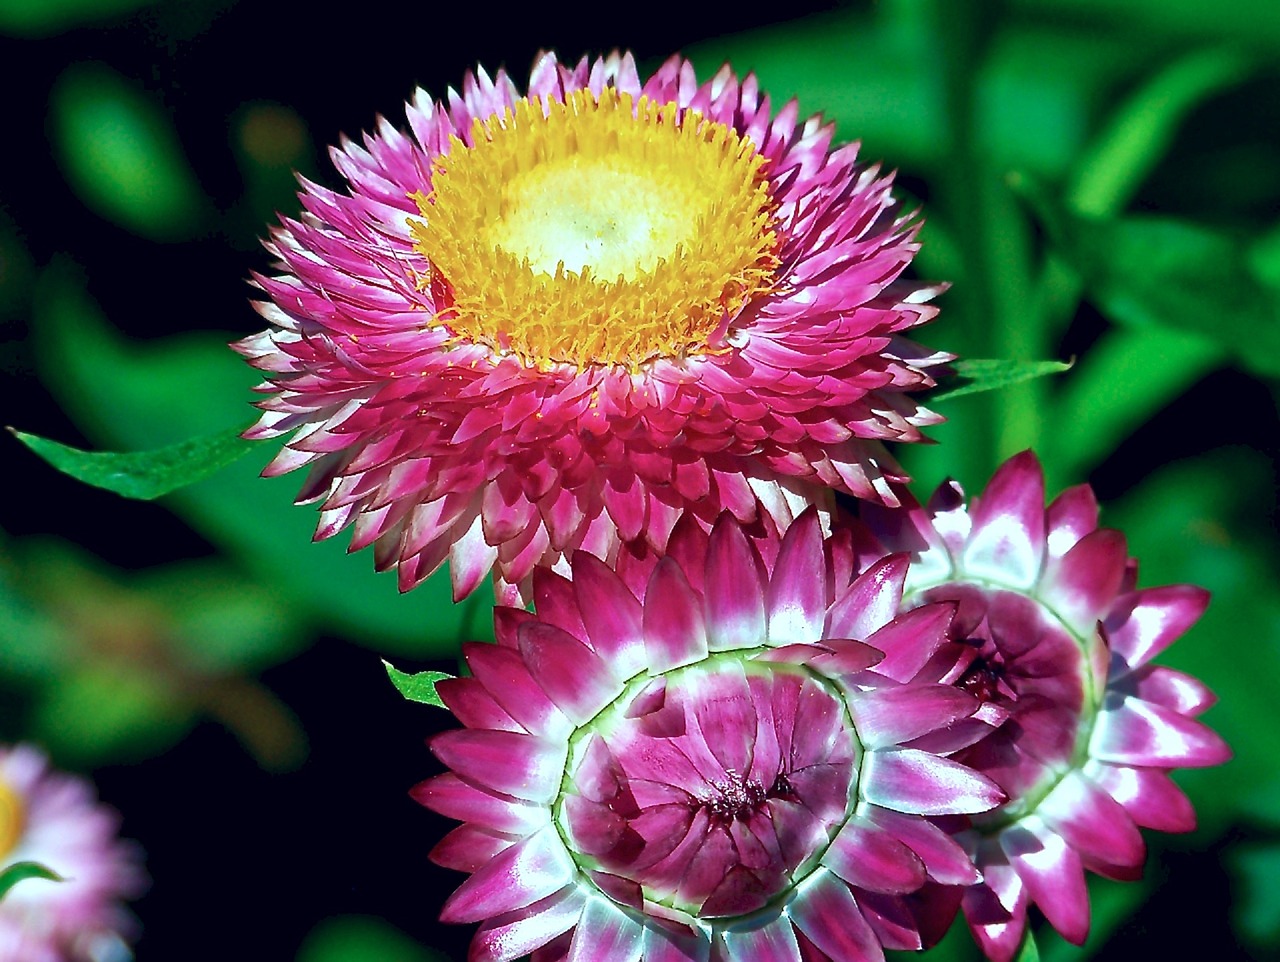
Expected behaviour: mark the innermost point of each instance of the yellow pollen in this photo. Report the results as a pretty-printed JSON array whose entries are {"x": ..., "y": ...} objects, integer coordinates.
[
  {"x": 597, "y": 231},
  {"x": 13, "y": 819}
]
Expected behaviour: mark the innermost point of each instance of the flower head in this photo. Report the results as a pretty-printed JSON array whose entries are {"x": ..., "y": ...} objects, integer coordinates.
[
  {"x": 693, "y": 758},
  {"x": 1061, "y": 642},
  {"x": 566, "y": 318},
  {"x": 53, "y": 819}
]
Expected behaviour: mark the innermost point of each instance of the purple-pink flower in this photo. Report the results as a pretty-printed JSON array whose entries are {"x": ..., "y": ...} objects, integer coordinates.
[
  {"x": 566, "y": 318},
  {"x": 55, "y": 820},
  {"x": 1083, "y": 727},
  {"x": 708, "y": 755}
]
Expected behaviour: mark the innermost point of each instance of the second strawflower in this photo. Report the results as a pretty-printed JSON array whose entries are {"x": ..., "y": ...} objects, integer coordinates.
[{"x": 563, "y": 319}]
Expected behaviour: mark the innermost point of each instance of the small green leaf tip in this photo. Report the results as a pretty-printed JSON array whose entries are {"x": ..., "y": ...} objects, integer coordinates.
[
  {"x": 21, "y": 871},
  {"x": 1029, "y": 952},
  {"x": 143, "y": 475},
  {"x": 420, "y": 687},
  {"x": 977, "y": 375}
]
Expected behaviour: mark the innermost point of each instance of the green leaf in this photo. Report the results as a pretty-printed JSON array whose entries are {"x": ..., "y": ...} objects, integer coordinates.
[
  {"x": 121, "y": 155},
  {"x": 11, "y": 875},
  {"x": 976, "y": 375},
  {"x": 419, "y": 687},
  {"x": 144, "y": 475},
  {"x": 41, "y": 18},
  {"x": 1028, "y": 952},
  {"x": 1147, "y": 272}
]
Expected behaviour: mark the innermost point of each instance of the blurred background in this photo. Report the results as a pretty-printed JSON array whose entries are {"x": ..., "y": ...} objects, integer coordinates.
[{"x": 1101, "y": 181}]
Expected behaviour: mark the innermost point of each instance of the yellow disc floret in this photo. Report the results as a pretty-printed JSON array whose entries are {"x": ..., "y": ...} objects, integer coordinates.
[
  {"x": 13, "y": 819},
  {"x": 597, "y": 231}
]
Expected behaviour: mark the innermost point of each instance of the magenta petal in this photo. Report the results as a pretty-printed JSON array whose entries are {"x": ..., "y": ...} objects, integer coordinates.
[
  {"x": 530, "y": 870},
  {"x": 610, "y": 613},
  {"x": 1071, "y": 516},
  {"x": 916, "y": 782},
  {"x": 469, "y": 846},
  {"x": 911, "y": 639},
  {"x": 520, "y": 932},
  {"x": 772, "y": 942},
  {"x": 674, "y": 632},
  {"x": 1149, "y": 795},
  {"x": 830, "y": 918},
  {"x": 797, "y": 595},
  {"x": 1136, "y": 732},
  {"x": 944, "y": 859},
  {"x": 734, "y": 593},
  {"x": 872, "y": 601},
  {"x": 506, "y": 677},
  {"x": 512, "y": 763},
  {"x": 1145, "y": 623},
  {"x": 1083, "y": 584},
  {"x": 450, "y": 796},
  {"x": 866, "y": 857},
  {"x": 1054, "y": 878},
  {"x": 606, "y": 934},
  {"x": 573, "y": 675},
  {"x": 996, "y": 911},
  {"x": 1006, "y": 543},
  {"x": 662, "y": 944},
  {"x": 472, "y": 705},
  {"x": 891, "y": 920},
  {"x": 1172, "y": 689},
  {"x": 890, "y": 716},
  {"x": 1092, "y": 822}
]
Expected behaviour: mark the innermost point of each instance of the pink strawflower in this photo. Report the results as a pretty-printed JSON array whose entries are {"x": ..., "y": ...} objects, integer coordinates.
[
  {"x": 557, "y": 320},
  {"x": 1061, "y": 642},
  {"x": 693, "y": 759},
  {"x": 55, "y": 820}
]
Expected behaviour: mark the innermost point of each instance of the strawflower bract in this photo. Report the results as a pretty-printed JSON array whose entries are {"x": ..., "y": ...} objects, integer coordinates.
[
  {"x": 693, "y": 759},
  {"x": 566, "y": 318},
  {"x": 54, "y": 819},
  {"x": 1060, "y": 646}
]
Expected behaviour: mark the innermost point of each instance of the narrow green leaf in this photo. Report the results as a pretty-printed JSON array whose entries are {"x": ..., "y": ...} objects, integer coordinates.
[
  {"x": 21, "y": 871},
  {"x": 121, "y": 155},
  {"x": 143, "y": 475},
  {"x": 973, "y": 376},
  {"x": 419, "y": 687},
  {"x": 1028, "y": 952}
]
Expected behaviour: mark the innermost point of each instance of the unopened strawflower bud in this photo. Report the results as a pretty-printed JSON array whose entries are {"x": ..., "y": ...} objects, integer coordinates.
[
  {"x": 708, "y": 755},
  {"x": 564, "y": 318},
  {"x": 1060, "y": 644}
]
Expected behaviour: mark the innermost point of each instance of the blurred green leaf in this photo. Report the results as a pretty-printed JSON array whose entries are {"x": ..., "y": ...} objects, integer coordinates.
[
  {"x": 1028, "y": 952},
  {"x": 1257, "y": 905},
  {"x": 40, "y": 18},
  {"x": 1141, "y": 129},
  {"x": 973, "y": 376},
  {"x": 144, "y": 475},
  {"x": 11, "y": 875},
  {"x": 114, "y": 388},
  {"x": 1118, "y": 383},
  {"x": 361, "y": 938},
  {"x": 419, "y": 687},
  {"x": 1161, "y": 272},
  {"x": 1151, "y": 21},
  {"x": 122, "y": 156}
]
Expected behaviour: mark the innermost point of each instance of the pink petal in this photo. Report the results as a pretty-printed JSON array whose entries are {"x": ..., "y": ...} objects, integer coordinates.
[
  {"x": 1007, "y": 541},
  {"x": 923, "y": 784},
  {"x": 452, "y": 797},
  {"x": 1071, "y": 516},
  {"x": 1092, "y": 822},
  {"x": 890, "y": 716},
  {"x": 530, "y": 870},
  {"x": 606, "y": 934},
  {"x": 866, "y": 857},
  {"x": 611, "y": 615},
  {"x": 1172, "y": 689},
  {"x": 574, "y": 676},
  {"x": 511, "y": 763},
  {"x": 996, "y": 911},
  {"x": 1054, "y": 878},
  {"x": 827, "y": 914},
  {"x": 772, "y": 942},
  {"x": 1145, "y": 623},
  {"x": 911, "y": 639},
  {"x": 1137, "y": 732},
  {"x": 1082, "y": 586},
  {"x": 674, "y": 632},
  {"x": 944, "y": 859},
  {"x": 520, "y": 932},
  {"x": 665, "y": 945},
  {"x": 872, "y": 601},
  {"x": 506, "y": 677},
  {"x": 469, "y": 846},
  {"x": 735, "y": 609},
  {"x": 1149, "y": 795},
  {"x": 797, "y": 595}
]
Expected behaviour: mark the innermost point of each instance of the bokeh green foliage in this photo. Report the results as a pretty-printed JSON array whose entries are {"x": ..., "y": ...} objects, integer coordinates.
[{"x": 1027, "y": 130}]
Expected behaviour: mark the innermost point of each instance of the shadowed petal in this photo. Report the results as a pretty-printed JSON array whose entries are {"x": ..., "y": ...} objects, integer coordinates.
[
  {"x": 944, "y": 859},
  {"x": 866, "y": 857},
  {"x": 1145, "y": 623},
  {"x": 773, "y": 942}
]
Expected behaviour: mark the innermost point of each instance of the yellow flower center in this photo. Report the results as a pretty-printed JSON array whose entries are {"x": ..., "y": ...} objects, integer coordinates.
[
  {"x": 13, "y": 819},
  {"x": 597, "y": 231}
]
